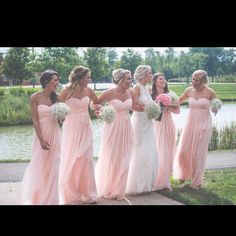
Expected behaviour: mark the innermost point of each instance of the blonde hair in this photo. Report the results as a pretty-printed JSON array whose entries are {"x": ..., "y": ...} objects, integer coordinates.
[
  {"x": 75, "y": 78},
  {"x": 118, "y": 75},
  {"x": 141, "y": 72},
  {"x": 202, "y": 74}
]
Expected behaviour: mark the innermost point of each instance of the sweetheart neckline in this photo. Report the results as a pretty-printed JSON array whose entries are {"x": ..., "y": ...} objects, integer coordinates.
[
  {"x": 199, "y": 98},
  {"x": 120, "y": 100},
  {"x": 78, "y": 98}
]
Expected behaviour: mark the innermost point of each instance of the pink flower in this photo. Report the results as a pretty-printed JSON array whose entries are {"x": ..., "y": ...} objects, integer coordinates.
[{"x": 165, "y": 99}]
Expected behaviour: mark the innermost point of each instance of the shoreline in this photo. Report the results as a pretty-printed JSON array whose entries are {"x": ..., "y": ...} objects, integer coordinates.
[{"x": 96, "y": 158}]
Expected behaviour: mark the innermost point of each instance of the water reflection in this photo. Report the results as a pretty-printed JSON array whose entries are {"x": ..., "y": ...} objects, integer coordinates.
[{"x": 15, "y": 141}]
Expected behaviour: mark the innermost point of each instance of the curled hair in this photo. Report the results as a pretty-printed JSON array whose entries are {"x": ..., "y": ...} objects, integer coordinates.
[
  {"x": 45, "y": 78},
  {"x": 154, "y": 88},
  {"x": 118, "y": 75},
  {"x": 141, "y": 72},
  {"x": 75, "y": 78},
  {"x": 202, "y": 74}
]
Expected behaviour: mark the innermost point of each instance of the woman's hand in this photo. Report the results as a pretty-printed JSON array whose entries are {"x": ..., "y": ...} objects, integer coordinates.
[
  {"x": 214, "y": 110},
  {"x": 60, "y": 121},
  {"x": 139, "y": 107},
  {"x": 44, "y": 144},
  {"x": 97, "y": 110}
]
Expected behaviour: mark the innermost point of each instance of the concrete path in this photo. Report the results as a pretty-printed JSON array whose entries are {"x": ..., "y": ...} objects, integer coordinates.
[
  {"x": 9, "y": 196},
  {"x": 11, "y": 174}
]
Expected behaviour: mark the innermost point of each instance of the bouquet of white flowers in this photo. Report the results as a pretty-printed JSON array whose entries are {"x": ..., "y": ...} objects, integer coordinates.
[
  {"x": 216, "y": 105},
  {"x": 174, "y": 98},
  {"x": 60, "y": 110},
  {"x": 153, "y": 110},
  {"x": 107, "y": 113}
]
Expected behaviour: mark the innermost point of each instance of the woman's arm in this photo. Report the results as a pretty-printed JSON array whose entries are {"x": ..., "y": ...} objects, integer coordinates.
[
  {"x": 35, "y": 118},
  {"x": 94, "y": 105},
  {"x": 63, "y": 95},
  {"x": 184, "y": 96},
  {"x": 136, "y": 106}
]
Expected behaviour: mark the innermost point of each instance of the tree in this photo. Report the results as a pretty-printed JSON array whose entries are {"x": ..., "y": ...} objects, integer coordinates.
[
  {"x": 96, "y": 60},
  {"x": 61, "y": 59},
  {"x": 213, "y": 58},
  {"x": 130, "y": 60},
  {"x": 151, "y": 58},
  {"x": 112, "y": 58},
  {"x": 16, "y": 64}
]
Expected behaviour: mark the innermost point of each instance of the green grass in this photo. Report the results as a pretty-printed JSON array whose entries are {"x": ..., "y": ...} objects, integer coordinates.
[
  {"x": 226, "y": 92},
  {"x": 219, "y": 189},
  {"x": 13, "y": 160}
]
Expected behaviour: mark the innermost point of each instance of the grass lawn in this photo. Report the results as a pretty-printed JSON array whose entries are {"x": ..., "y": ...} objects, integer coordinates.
[
  {"x": 226, "y": 92},
  {"x": 219, "y": 189}
]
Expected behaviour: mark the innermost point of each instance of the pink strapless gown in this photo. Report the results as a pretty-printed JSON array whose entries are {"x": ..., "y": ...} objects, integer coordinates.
[
  {"x": 40, "y": 181},
  {"x": 76, "y": 176},
  {"x": 190, "y": 159},
  {"x": 165, "y": 133},
  {"x": 112, "y": 167}
]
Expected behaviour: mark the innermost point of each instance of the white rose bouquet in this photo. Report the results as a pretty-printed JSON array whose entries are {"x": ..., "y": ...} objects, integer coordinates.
[{"x": 153, "y": 110}]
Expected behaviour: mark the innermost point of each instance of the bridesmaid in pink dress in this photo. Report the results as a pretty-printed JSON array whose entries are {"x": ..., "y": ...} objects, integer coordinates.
[
  {"x": 165, "y": 133},
  {"x": 76, "y": 176},
  {"x": 40, "y": 181},
  {"x": 112, "y": 167},
  {"x": 190, "y": 159}
]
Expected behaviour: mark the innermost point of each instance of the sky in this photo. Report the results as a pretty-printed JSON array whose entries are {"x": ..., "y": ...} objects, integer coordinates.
[{"x": 119, "y": 50}]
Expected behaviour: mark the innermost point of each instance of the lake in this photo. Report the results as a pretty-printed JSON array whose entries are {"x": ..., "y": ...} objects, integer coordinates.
[{"x": 15, "y": 141}]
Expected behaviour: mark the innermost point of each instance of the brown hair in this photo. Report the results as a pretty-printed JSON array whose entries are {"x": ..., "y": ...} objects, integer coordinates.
[
  {"x": 75, "y": 78},
  {"x": 154, "y": 88},
  {"x": 45, "y": 78}
]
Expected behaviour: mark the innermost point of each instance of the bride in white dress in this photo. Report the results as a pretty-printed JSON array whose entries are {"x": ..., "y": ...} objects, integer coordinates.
[{"x": 144, "y": 160}]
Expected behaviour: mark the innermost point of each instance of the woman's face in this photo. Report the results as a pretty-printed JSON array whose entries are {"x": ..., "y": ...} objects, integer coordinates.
[
  {"x": 196, "y": 80},
  {"x": 148, "y": 77},
  {"x": 161, "y": 82},
  {"x": 54, "y": 82},
  {"x": 87, "y": 79},
  {"x": 126, "y": 82}
]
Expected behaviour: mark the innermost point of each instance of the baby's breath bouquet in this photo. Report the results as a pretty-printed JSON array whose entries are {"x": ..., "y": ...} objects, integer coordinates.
[
  {"x": 216, "y": 105},
  {"x": 60, "y": 110},
  {"x": 153, "y": 110},
  {"x": 107, "y": 113},
  {"x": 174, "y": 98}
]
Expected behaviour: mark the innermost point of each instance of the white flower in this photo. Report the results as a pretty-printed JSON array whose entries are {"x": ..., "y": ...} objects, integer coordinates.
[
  {"x": 174, "y": 98},
  {"x": 216, "y": 105},
  {"x": 107, "y": 113},
  {"x": 60, "y": 110},
  {"x": 153, "y": 110}
]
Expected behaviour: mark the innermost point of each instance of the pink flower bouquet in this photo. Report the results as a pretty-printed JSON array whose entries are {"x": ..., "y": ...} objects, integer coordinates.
[{"x": 164, "y": 100}]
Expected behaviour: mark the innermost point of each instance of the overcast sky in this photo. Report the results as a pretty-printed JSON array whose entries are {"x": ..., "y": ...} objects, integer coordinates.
[{"x": 119, "y": 50}]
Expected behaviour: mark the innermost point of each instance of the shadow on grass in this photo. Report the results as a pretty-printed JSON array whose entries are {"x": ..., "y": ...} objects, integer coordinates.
[{"x": 188, "y": 196}]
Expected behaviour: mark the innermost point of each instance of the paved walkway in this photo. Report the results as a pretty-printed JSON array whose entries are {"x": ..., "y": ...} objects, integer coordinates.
[{"x": 12, "y": 173}]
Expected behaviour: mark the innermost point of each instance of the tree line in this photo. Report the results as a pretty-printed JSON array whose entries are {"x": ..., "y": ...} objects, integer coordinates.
[{"x": 23, "y": 63}]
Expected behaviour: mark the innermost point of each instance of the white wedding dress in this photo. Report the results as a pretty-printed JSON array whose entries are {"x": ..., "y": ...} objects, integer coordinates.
[{"x": 144, "y": 159}]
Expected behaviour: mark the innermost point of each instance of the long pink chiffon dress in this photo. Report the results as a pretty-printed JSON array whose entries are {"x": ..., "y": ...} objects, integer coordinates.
[
  {"x": 165, "y": 133},
  {"x": 40, "y": 181},
  {"x": 112, "y": 167},
  {"x": 76, "y": 176},
  {"x": 191, "y": 155}
]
